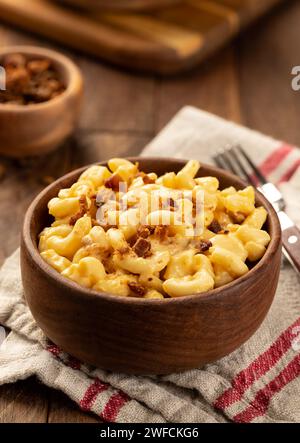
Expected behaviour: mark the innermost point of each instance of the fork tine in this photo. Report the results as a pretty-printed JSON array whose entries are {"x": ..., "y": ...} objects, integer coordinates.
[
  {"x": 230, "y": 164},
  {"x": 219, "y": 161},
  {"x": 249, "y": 178},
  {"x": 259, "y": 175}
]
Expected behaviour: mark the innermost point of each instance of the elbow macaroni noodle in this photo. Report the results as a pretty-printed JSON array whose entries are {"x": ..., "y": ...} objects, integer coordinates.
[{"x": 122, "y": 231}]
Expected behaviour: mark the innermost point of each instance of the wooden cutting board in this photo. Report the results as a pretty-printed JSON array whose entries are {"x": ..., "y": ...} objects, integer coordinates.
[
  {"x": 136, "y": 5},
  {"x": 166, "y": 41}
]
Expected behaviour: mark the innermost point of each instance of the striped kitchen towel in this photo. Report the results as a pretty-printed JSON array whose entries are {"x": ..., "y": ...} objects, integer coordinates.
[{"x": 259, "y": 382}]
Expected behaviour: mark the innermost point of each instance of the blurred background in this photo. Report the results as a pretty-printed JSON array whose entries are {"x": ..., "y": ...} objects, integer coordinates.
[{"x": 142, "y": 60}]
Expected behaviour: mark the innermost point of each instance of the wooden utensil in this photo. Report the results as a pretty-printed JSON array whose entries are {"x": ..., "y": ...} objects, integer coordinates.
[
  {"x": 166, "y": 41},
  {"x": 143, "y": 336},
  {"x": 134, "y": 5}
]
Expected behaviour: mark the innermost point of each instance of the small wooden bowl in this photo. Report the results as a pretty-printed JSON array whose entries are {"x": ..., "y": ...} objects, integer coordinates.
[
  {"x": 146, "y": 336},
  {"x": 29, "y": 130}
]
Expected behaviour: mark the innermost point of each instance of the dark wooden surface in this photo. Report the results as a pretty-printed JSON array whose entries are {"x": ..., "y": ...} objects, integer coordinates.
[
  {"x": 167, "y": 40},
  {"x": 249, "y": 82}
]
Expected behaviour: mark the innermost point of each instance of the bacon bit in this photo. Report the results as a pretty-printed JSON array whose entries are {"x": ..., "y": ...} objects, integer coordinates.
[
  {"x": 145, "y": 231},
  {"x": 161, "y": 232},
  {"x": 83, "y": 208},
  {"x": 103, "y": 197},
  {"x": 108, "y": 265},
  {"x": 105, "y": 226},
  {"x": 113, "y": 182},
  {"x": 38, "y": 66},
  {"x": 215, "y": 227},
  {"x": 204, "y": 245},
  {"x": 132, "y": 240},
  {"x": 124, "y": 250},
  {"x": 93, "y": 207},
  {"x": 172, "y": 203},
  {"x": 224, "y": 231},
  {"x": 137, "y": 289},
  {"x": 83, "y": 204},
  {"x": 142, "y": 247},
  {"x": 237, "y": 217},
  {"x": 148, "y": 180},
  {"x": 14, "y": 61},
  {"x": 74, "y": 219},
  {"x": 166, "y": 203},
  {"x": 29, "y": 81}
]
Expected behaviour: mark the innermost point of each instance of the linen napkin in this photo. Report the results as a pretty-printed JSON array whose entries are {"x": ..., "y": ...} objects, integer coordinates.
[{"x": 259, "y": 382}]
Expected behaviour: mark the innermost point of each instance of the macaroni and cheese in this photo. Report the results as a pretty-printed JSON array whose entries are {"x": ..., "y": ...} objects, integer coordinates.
[{"x": 129, "y": 233}]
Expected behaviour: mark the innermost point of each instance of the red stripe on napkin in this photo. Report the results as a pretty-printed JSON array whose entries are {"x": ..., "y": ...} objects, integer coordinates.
[
  {"x": 92, "y": 392},
  {"x": 54, "y": 349},
  {"x": 290, "y": 172},
  {"x": 260, "y": 366},
  {"x": 275, "y": 158},
  {"x": 260, "y": 404},
  {"x": 113, "y": 406},
  {"x": 73, "y": 362},
  {"x": 273, "y": 161}
]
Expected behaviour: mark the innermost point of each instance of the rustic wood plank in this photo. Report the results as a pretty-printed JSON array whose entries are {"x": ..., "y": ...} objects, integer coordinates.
[
  {"x": 267, "y": 54},
  {"x": 145, "y": 42},
  {"x": 212, "y": 87},
  {"x": 115, "y": 100},
  {"x": 64, "y": 410},
  {"x": 95, "y": 147},
  {"x": 24, "y": 402},
  {"x": 138, "y": 5},
  {"x": 23, "y": 180}
]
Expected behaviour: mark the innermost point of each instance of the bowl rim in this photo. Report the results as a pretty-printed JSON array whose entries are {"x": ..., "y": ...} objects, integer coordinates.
[
  {"x": 75, "y": 80},
  {"x": 82, "y": 292}
]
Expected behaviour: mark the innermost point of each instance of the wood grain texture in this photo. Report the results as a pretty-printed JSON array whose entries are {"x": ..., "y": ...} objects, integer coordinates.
[
  {"x": 24, "y": 402},
  {"x": 135, "y": 5},
  {"x": 167, "y": 41},
  {"x": 214, "y": 87},
  {"x": 291, "y": 242},
  {"x": 266, "y": 56},
  {"x": 63, "y": 410},
  {"x": 208, "y": 87},
  {"x": 124, "y": 102},
  {"x": 139, "y": 336}
]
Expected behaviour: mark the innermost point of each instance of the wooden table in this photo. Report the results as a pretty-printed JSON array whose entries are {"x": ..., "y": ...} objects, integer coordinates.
[{"x": 248, "y": 82}]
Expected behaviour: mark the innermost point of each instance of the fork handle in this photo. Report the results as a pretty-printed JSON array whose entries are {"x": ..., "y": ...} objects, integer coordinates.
[{"x": 290, "y": 239}]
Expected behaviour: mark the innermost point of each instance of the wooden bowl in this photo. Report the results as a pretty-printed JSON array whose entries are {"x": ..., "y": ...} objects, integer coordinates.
[
  {"x": 29, "y": 130},
  {"x": 125, "y": 5},
  {"x": 142, "y": 336}
]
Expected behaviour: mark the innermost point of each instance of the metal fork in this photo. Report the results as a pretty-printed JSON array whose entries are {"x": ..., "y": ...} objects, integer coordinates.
[{"x": 236, "y": 160}]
